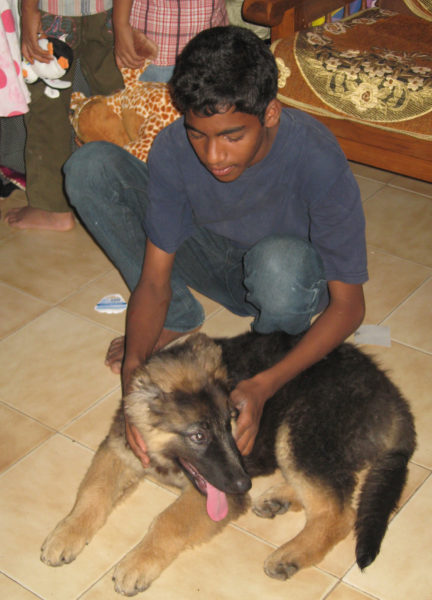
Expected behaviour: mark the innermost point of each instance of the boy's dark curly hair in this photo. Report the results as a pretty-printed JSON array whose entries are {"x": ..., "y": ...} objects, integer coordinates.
[{"x": 224, "y": 67}]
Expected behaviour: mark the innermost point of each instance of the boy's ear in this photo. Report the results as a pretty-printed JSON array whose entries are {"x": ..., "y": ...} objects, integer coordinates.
[{"x": 272, "y": 113}]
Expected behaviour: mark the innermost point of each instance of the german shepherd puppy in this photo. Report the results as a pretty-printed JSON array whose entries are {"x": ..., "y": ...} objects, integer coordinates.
[{"x": 341, "y": 417}]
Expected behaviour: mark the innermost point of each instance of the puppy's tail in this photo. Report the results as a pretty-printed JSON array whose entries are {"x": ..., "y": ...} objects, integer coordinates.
[{"x": 379, "y": 496}]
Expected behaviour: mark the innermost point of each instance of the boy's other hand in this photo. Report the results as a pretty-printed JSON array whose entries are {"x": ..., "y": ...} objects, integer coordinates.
[
  {"x": 136, "y": 443},
  {"x": 249, "y": 399},
  {"x": 133, "y": 436}
]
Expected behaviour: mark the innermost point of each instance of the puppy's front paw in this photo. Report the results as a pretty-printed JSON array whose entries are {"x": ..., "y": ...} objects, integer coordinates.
[
  {"x": 63, "y": 545},
  {"x": 280, "y": 570},
  {"x": 284, "y": 562},
  {"x": 135, "y": 573}
]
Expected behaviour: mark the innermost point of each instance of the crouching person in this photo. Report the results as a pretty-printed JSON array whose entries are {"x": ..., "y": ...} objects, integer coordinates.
[{"x": 249, "y": 203}]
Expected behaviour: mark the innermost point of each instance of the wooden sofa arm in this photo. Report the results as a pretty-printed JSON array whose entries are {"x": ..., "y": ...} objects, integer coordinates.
[
  {"x": 287, "y": 16},
  {"x": 266, "y": 12}
]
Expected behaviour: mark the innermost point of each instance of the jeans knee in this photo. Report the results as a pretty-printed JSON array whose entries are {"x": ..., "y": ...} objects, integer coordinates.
[
  {"x": 101, "y": 170},
  {"x": 86, "y": 168},
  {"x": 284, "y": 278}
]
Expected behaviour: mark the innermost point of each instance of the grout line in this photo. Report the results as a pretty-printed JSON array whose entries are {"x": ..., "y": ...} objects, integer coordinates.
[
  {"x": 404, "y": 507},
  {"x": 86, "y": 284},
  {"x": 405, "y": 300},
  {"x": 213, "y": 314},
  {"x": 27, "y": 454},
  {"x": 373, "y": 249},
  {"x": 31, "y": 417},
  {"x": 87, "y": 410},
  {"x": 361, "y": 591},
  {"x": 88, "y": 320},
  {"x": 17, "y": 582},
  {"x": 252, "y": 535},
  {"x": 411, "y": 191},
  {"x": 411, "y": 347},
  {"x": 23, "y": 325},
  {"x": 25, "y": 293},
  {"x": 77, "y": 442},
  {"x": 92, "y": 585},
  {"x": 421, "y": 466},
  {"x": 332, "y": 589}
]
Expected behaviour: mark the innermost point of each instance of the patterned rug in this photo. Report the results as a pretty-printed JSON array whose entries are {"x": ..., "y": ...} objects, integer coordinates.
[
  {"x": 375, "y": 67},
  {"x": 421, "y": 8}
]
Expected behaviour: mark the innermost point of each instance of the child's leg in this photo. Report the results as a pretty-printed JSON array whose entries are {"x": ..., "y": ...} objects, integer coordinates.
[
  {"x": 48, "y": 142},
  {"x": 48, "y": 145},
  {"x": 96, "y": 54}
]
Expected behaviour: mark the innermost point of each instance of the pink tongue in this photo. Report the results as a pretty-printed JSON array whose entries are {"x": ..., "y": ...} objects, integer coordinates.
[{"x": 217, "y": 504}]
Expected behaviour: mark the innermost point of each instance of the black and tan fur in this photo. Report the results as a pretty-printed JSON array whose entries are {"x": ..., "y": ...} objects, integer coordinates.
[{"x": 340, "y": 418}]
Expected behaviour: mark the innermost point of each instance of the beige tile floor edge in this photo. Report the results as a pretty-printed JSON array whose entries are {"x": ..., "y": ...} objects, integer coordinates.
[{"x": 57, "y": 400}]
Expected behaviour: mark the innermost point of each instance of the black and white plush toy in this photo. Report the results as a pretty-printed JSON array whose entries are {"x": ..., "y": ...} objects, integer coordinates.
[{"x": 51, "y": 72}]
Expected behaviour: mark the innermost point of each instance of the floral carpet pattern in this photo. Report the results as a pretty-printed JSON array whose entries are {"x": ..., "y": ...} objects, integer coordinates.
[{"x": 375, "y": 67}]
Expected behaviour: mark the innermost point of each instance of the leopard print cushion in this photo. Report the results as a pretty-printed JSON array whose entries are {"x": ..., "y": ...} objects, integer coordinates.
[{"x": 137, "y": 113}]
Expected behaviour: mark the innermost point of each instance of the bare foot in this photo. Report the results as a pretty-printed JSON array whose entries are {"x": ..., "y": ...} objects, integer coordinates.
[
  {"x": 114, "y": 356},
  {"x": 28, "y": 217}
]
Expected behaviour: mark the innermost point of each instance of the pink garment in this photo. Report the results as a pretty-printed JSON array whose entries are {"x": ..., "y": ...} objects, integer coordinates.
[
  {"x": 14, "y": 96},
  {"x": 172, "y": 23},
  {"x": 75, "y": 8}
]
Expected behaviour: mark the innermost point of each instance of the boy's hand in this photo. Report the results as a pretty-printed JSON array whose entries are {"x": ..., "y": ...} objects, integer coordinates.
[
  {"x": 249, "y": 399},
  {"x": 133, "y": 436},
  {"x": 136, "y": 443}
]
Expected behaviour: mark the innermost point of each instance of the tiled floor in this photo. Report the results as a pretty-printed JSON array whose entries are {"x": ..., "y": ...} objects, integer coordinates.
[{"x": 57, "y": 398}]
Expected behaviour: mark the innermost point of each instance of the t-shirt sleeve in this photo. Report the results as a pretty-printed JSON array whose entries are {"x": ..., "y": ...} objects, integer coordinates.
[
  {"x": 337, "y": 229},
  {"x": 169, "y": 219}
]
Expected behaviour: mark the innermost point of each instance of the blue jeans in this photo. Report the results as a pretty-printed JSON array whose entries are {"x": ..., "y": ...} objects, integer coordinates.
[
  {"x": 279, "y": 281},
  {"x": 156, "y": 73}
]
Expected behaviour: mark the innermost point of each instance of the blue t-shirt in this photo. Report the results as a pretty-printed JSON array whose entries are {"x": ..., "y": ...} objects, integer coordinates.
[{"x": 302, "y": 187}]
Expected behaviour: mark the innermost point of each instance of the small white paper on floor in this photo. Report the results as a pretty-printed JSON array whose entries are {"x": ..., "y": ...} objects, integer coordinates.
[
  {"x": 377, "y": 335},
  {"x": 113, "y": 303}
]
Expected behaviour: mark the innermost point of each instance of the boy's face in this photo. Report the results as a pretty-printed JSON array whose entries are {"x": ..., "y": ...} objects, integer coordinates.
[{"x": 228, "y": 143}]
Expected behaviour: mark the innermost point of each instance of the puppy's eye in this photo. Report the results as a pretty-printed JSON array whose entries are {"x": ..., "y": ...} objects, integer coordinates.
[{"x": 198, "y": 437}]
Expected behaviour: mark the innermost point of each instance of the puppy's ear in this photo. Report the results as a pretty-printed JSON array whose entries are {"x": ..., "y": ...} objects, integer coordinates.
[
  {"x": 207, "y": 355},
  {"x": 199, "y": 342},
  {"x": 143, "y": 390},
  {"x": 146, "y": 403}
]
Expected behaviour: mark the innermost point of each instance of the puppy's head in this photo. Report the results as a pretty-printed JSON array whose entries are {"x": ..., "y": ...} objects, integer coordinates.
[{"x": 180, "y": 403}]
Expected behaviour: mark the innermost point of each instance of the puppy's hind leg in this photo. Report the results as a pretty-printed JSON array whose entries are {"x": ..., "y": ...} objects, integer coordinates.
[
  {"x": 108, "y": 479},
  {"x": 327, "y": 522}
]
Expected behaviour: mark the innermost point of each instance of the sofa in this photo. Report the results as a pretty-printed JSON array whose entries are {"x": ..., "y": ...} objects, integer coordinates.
[{"x": 367, "y": 75}]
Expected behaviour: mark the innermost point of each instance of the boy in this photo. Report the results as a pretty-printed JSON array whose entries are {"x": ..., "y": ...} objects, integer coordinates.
[{"x": 249, "y": 204}]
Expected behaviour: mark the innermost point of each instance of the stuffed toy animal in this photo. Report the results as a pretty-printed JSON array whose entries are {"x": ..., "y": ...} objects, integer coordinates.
[
  {"x": 51, "y": 72},
  {"x": 130, "y": 118}
]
